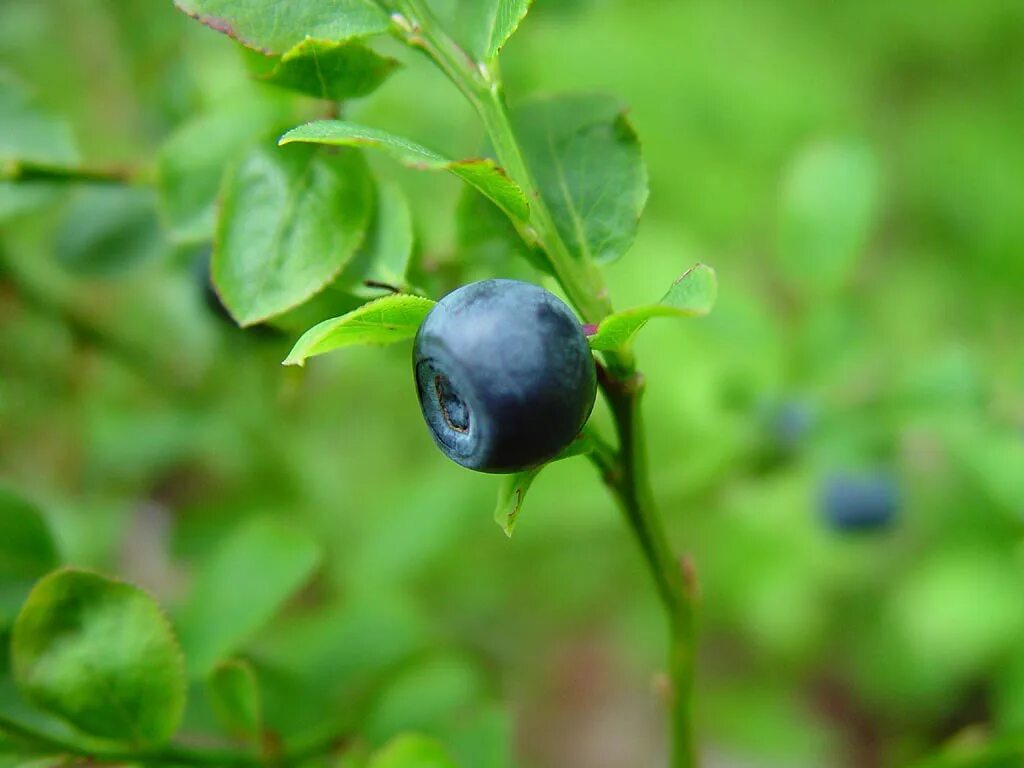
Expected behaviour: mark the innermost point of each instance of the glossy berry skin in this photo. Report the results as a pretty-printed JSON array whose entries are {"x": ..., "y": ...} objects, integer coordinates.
[
  {"x": 504, "y": 375},
  {"x": 859, "y": 502}
]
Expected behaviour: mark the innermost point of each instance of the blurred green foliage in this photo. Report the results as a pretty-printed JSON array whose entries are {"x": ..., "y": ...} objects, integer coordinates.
[{"x": 853, "y": 172}]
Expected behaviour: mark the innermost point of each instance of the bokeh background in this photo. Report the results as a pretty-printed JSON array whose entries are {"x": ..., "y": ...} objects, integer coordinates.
[{"x": 839, "y": 447}]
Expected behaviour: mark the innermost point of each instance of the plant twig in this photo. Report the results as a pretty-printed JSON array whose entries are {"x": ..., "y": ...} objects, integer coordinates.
[{"x": 626, "y": 474}]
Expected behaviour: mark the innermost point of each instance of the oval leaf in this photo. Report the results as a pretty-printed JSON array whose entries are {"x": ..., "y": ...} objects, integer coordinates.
[
  {"x": 410, "y": 751},
  {"x": 585, "y": 159},
  {"x": 101, "y": 655},
  {"x": 290, "y": 220},
  {"x": 482, "y": 173},
  {"x": 273, "y": 26},
  {"x": 329, "y": 70},
  {"x": 27, "y": 133},
  {"x": 828, "y": 207},
  {"x": 383, "y": 262},
  {"x": 27, "y": 551},
  {"x": 235, "y": 698},
  {"x": 692, "y": 295},
  {"x": 241, "y": 587},
  {"x": 384, "y": 321}
]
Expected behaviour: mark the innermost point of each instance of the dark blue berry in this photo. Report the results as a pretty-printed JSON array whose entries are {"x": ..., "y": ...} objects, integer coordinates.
[
  {"x": 504, "y": 375},
  {"x": 859, "y": 501}
]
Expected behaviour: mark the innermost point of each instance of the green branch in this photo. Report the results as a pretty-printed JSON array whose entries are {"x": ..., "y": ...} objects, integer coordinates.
[{"x": 626, "y": 472}]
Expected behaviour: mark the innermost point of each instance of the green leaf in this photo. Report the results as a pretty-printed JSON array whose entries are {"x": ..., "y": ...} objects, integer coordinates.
[
  {"x": 386, "y": 320},
  {"x": 192, "y": 163},
  {"x": 101, "y": 655},
  {"x": 235, "y": 698},
  {"x": 487, "y": 236},
  {"x": 331, "y": 70},
  {"x": 290, "y": 220},
  {"x": 829, "y": 202},
  {"x": 481, "y": 173},
  {"x": 27, "y": 551},
  {"x": 512, "y": 488},
  {"x": 108, "y": 229},
  {"x": 692, "y": 295},
  {"x": 27, "y": 133},
  {"x": 410, "y": 751},
  {"x": 273, "y": 27},
  {"x": 383, "y": 261},
  {"x": 482, "y": 27},
  {"x": 585, "y": 159},
  {"x": 243, "y": 584}
]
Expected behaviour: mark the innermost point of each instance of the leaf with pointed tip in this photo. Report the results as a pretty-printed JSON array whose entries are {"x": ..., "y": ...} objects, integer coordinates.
[
  {"x": 383, "y": 321},
  {"x": 585, "y": 159},
  {"x": 482, "y": 27},
  {"x": 274, "y": 26},
  {"x": 692, "y": 295},
  {"x": 290, "y": 220},
  {"x": 512, "y": 488},
  {"x": 331, "y": 70},
  {"x": 101, "y": 655},
  {"x": 482, "y": 173}
]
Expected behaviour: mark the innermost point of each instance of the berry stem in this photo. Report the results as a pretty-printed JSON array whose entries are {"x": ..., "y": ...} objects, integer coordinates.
[{"x": 625, "y": 473}]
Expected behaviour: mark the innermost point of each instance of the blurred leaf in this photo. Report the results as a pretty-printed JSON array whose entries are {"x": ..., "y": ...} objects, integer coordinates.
[
  {"x": 512, "y": 488},
  {"x": 829, "y": 201},
  {"x": 235, "y": 698},
  {"x": 428, "y": 697},
  {"x": 290, "y": 220},
  {"x": 27, "y": 133},
  {"x": 331, "y": 70},
  {"x": 412, "y": 752},
  {"x": 101, "y": 655},
  {"x": 27, "y": 551},
  {"x": 487, "y": 236},
  {"x": 275, "y": 27},
  {"x": 481, "y": 173},
  {"x": 383, "y": 261},
  {"x": 108, "y": 229},
  {"x": 585, "y": 158},
  {"x": 192, "y": 163},
  {"x": 692, "y": 295},
  {"x": 242, "y": 585},
  {"x": 482, "y": 27},
  {"x": 386, "y": 320},
  {"x": 20, "y": 198}
]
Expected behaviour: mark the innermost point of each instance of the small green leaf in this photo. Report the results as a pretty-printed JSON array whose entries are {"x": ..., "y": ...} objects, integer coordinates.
[
  {"x": 273, "y": 26},
  {"x": 108, "y": 229},
  {"x": 585, "y": 158},
  {"x": 386, "y": 320},
  {"x": 27, "y": 551},
  {"x": 829, "y": 201},
  {"x": 241, "y": 587},
  {"x": 192, "y": 163},
  {"x": 290, "y": 220},
  {"x": 235, "y": 698},
  {"x": 482, "y": 27},
  {"x": 410, "y": 751},
  {"x": 512, "y": 488},
  {"x": 27, "y": 133},
  {"x": 481, "y": 173},
  {"x": 383, "y": 261},
  {"x": 330, "y": 70},
  {"x": 101, "y": 655},
  {"x": 692, "y": 295}
]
